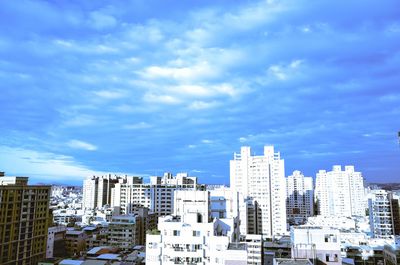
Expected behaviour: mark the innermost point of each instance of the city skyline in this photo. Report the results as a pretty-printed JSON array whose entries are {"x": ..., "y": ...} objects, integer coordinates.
[{"x": 144, "y": 88}]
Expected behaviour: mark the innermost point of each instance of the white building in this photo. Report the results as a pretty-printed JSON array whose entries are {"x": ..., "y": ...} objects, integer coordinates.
[
  {"x": 55, "y": 233},
  {"x": 299, "y": 198},
  {"x": 158, "y": 196},
  {"x": 192, "y": 236},
  {"x": 340, "y": 193},
  {"x": 381, "y": 214},
  {"x": 97, "y": 190},
  {"x": 261, "y": 178},
  {"x": 123, "y": 231},
  {"x": 312, "y": 242},
  {"x": 339, "y": 222}
]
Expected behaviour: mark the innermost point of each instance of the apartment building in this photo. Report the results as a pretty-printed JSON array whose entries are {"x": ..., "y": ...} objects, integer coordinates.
[
  {"x": 97, "y": 190},
  {"x": 383, "y": 213},
  {"x": 24, "y": 218},
  {"x": 127, "y": 231},
  {"x": 192, "y": 236},
  {"x": 340, "y": 192},
  {"x": 262, "y": 180},
  {"x": 299, "y": 198},
  {"x": 158, "y": 195}
]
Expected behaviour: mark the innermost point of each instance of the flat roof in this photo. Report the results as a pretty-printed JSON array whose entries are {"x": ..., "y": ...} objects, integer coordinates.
[
  {"x": 293, "y": 262},
  {"x": 71, "y": 262},
  {"x": 237, "y": 246}
]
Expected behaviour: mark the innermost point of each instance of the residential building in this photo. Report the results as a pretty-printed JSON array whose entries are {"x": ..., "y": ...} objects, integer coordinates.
[
  {"x": 383, "y": 213},
  {"x": 75, "y": 242},
  {"x": 391, "y": 252},
  {"x": 123, "y": 231},
  {"x": 127, "y": 231},
  {"x": 345, "y": 224},
  {"x": 316, "y": 243},
  {"x": 24, "y": 218},
  {"x": 97, "y": 190},
  {"x": 299, "y": 198},
  {"x": 340, "y": 193},
  {"x": 262, "y": 179},
  {"x": 55, "y": 238},
  {"x": 158, "y": 195},
  {"x": 191, "y": 236}
]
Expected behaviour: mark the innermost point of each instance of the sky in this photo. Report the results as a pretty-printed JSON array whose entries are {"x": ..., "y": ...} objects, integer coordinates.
[{"x": 143, "y": 87}]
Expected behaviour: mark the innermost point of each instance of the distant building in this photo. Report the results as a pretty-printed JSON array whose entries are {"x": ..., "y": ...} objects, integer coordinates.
[
  {"x": 24, "y": 217},
  {"x": 97, "y": 190},
  {"x": 158, "y": 196},
  {"x": 127, "y": 231},
  {"x": 340, "y": 193},
  {"x": 299, "y": 198},
  {"x": 262, "y": 180}
]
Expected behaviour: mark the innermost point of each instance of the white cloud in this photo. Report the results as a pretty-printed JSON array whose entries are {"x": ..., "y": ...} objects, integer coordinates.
[
  {"x": 200, "y": 105},
  {"x": 80, "y": 120},
  {"x": 137, "y": 126},
  {"x": 243, "y": 139},
  {"x": 76, "y": 144},
  {"x": 109, "y": 94},
  {"x": 44, "y": 165},
  {"x": 163, "y": 99},
  {"x": 207, "y": 141},
  {"x": 198, "y": 71},
  {"x": 283, "y": 72},
  {"x": 101, "y": 21}
]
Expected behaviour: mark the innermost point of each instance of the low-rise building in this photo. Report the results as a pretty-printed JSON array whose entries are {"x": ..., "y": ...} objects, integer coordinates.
[
  {"x": 75, "y": 242},
  {"x": 316, "y": 243}
]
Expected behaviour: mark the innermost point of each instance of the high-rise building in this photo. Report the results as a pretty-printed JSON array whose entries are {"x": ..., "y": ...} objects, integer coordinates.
[
  {"x": 262, "y": 178},
  {"x": 300, "y": 198},
  {"x": 24, "y": 217},
  {"x": 97, "y": 190},
  {"x": 383, "y": 213},
  {"x": 340, "y": 193}
]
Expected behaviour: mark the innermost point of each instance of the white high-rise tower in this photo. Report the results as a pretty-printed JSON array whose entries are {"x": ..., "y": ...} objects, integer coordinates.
[
  {"x": 262, "y": 178},
  {"x": 340, "y": 193}
]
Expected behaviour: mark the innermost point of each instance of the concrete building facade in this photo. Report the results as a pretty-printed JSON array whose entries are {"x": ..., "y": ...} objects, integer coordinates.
[
  {"x": 340, "y": 193},
  {"x": 262, "y": 179},
  {"x": 299, "y": 198}
]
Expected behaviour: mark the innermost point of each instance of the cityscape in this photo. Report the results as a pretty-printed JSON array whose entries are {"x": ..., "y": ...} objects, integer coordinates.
[
  {"x": 261, "y": 132},
  {"x": 263, "y": 217}
]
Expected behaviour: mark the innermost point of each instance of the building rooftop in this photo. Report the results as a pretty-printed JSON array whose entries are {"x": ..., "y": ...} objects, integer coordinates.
[
  {"x": 95, "y": 250},
  {"x": 71, "y": 262},
  {"x": 237, "y": 246},
  {"x": 109, "y": 257},
  {"x": 94, "y": 262},
  {"x": 292, "y": 262}
]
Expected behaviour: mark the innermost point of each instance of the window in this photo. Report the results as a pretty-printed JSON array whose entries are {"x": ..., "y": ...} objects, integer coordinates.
[
  {"x": 176, "y": 233},
  {"x": 196, "y": 233}
]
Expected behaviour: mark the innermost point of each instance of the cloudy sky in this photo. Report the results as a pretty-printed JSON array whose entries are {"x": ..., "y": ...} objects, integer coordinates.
[{"x": 145, "y": 86}]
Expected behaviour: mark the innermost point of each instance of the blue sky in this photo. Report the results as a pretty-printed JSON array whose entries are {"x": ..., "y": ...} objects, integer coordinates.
[{"x": 143, "y": 87}]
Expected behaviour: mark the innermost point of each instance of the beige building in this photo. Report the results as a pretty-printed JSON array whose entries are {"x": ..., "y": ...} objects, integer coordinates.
[{"x": 24, "y": 219}]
